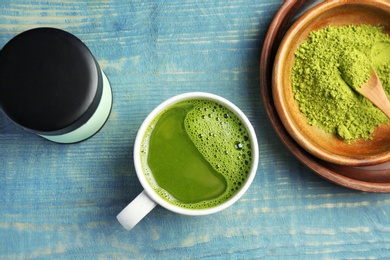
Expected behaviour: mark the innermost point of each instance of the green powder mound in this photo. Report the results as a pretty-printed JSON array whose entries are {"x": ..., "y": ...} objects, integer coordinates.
[
  {"x": 323, "y": 95},
  {"x": 355, "y": 68}
]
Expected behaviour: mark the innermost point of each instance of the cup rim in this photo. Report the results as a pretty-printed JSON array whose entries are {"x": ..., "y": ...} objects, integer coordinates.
[{"x": 155, "y": 112}]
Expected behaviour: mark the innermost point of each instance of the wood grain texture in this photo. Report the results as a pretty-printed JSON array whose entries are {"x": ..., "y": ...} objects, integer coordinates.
[{"x": 60, "y": 201}]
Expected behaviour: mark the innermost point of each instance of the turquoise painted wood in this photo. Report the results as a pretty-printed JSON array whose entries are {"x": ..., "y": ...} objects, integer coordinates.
[{"x": 60, "y": 201}]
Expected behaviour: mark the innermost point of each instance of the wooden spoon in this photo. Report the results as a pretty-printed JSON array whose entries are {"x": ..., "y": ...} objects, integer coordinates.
[
  {"x": 355, "y": 68},
  {"x": 373, "y": 91}
]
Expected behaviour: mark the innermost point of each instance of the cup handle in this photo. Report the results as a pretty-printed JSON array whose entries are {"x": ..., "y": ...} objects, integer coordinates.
[{"x": 136, "y": 210}]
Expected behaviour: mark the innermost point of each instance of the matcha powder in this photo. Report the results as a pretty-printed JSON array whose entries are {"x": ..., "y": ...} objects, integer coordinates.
[{"x": 329, "y": 100}]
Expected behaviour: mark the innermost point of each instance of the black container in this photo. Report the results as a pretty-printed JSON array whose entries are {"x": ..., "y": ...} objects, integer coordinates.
[{"x": 51, "y": 85}]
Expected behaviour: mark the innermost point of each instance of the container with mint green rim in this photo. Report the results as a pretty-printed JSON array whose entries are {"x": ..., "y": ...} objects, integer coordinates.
[{"x": 52, "y": 86}]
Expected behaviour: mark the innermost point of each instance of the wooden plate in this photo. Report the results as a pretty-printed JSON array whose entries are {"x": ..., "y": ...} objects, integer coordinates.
[
  {"x": 366, "y": 178},
  {"x": 316, "y": 141}
]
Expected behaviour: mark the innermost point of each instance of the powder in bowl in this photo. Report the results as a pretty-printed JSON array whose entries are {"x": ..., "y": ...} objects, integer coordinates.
[
  {"x": 323, "y": 96},
  {"x": 355, "y": 68}
]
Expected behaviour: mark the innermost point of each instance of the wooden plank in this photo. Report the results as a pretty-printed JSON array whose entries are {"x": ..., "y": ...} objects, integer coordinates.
[{"x": 60, "y": 201}]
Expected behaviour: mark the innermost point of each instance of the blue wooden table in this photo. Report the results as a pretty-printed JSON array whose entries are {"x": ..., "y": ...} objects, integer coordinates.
[{"x": 60, "y": 201}]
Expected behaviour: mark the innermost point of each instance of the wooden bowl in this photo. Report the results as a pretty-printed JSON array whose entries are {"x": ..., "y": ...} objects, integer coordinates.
[{"x": 323, "y": 145}]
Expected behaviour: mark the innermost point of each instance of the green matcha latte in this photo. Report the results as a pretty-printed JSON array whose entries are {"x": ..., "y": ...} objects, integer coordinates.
[{"x": 196, "y": 154}]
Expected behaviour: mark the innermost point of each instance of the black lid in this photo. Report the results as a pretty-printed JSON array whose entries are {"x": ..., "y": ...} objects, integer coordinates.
[{"x": 50, "y": 82}]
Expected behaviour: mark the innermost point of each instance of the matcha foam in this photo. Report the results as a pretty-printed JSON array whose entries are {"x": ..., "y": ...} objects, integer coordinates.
[
  {"x": 219, "y": 139},
  {"x": 222, "y": 140}
]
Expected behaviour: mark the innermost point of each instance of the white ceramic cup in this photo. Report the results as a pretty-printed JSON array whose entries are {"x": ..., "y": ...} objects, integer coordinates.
[{"x": 148, "y": 198}]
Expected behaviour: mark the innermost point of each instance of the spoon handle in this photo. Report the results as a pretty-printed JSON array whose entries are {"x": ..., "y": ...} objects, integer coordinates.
[{"x": 374, "y": 92}]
